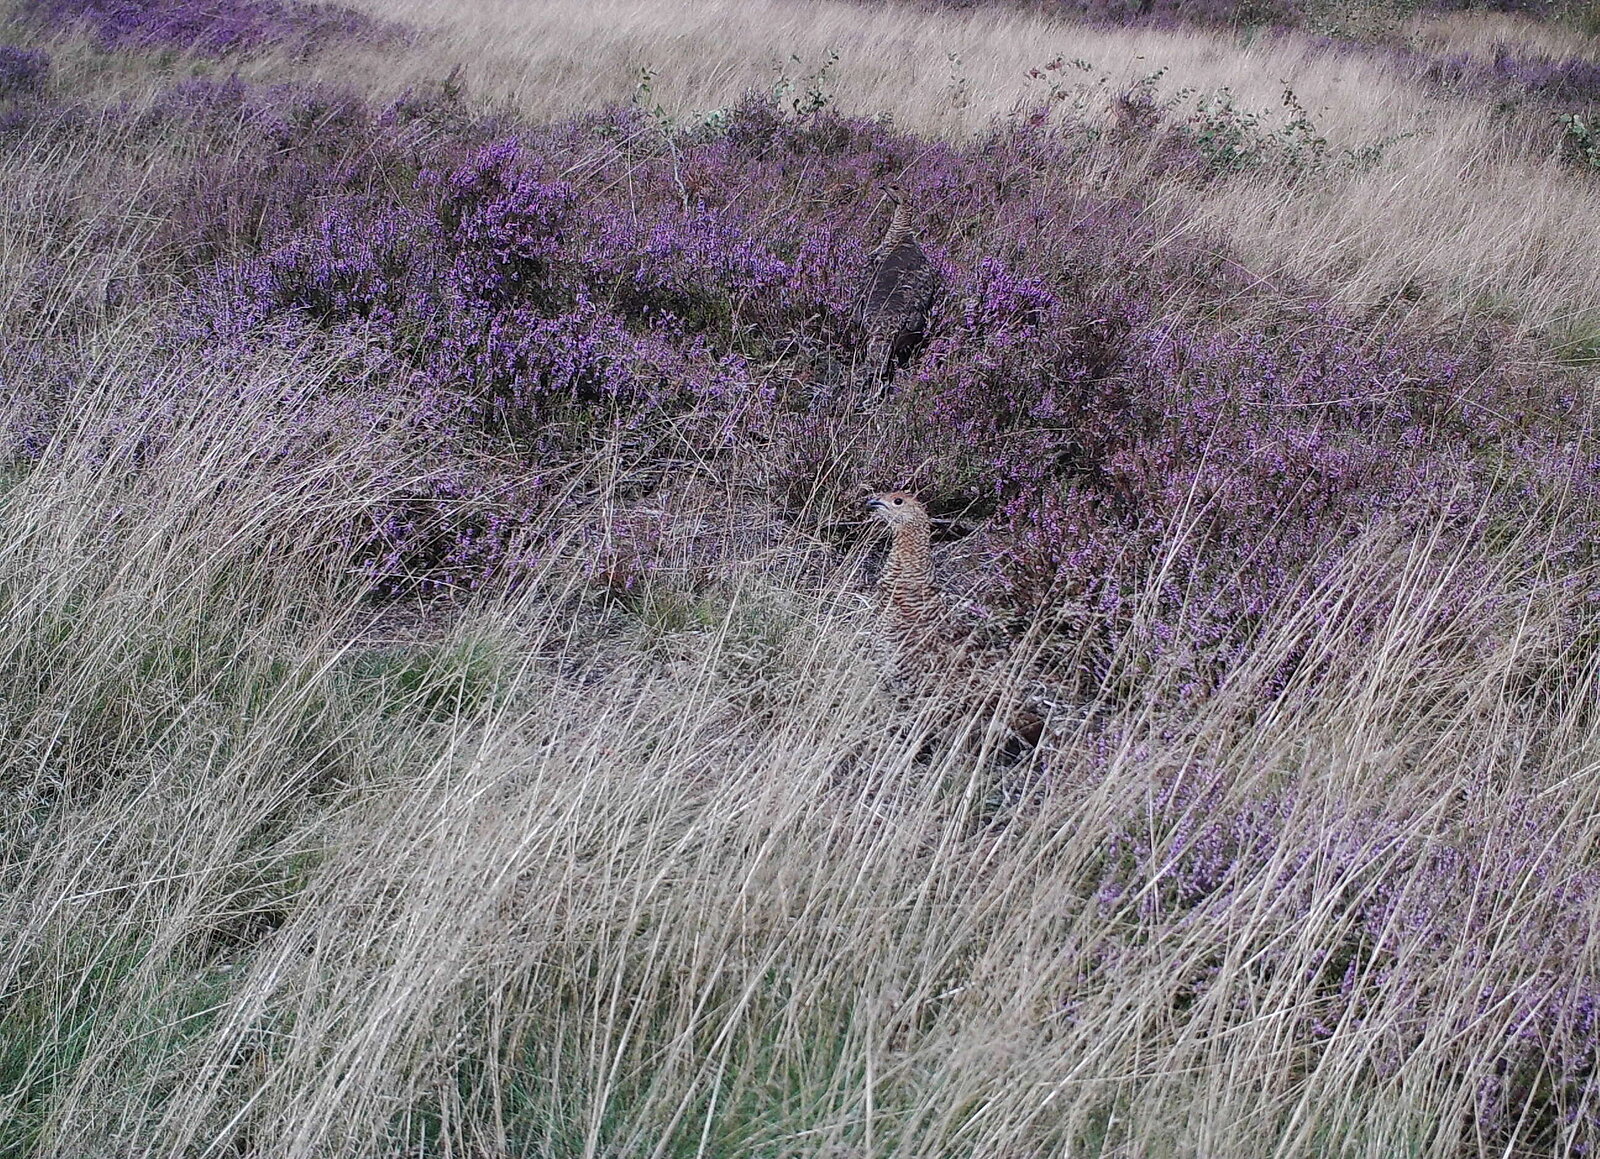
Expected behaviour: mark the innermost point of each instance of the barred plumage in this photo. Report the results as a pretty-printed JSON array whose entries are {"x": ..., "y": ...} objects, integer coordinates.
[
  {"x": 900, "y": 288},
  {"x": 918, "y": 629},
  {"x": 912, "y": 612}
]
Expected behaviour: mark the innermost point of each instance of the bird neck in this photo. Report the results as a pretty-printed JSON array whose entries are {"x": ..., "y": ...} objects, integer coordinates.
[
  {"x": 909, "y": 567},
  {"x": 899, "y": 228}
]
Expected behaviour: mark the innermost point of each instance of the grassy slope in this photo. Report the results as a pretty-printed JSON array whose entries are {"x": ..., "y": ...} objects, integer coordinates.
[{"x": 564, "y": 879}]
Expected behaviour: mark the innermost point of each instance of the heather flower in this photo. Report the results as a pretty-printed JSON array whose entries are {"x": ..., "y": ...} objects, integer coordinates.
[
  {"x": 212, "y": 27},
  {"x": 1234, "y": 450},
  {"x": 22, "y": 71}
]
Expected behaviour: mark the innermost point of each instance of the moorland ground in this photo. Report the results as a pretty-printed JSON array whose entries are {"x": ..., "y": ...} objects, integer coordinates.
[{"x": 440, "y": 707}]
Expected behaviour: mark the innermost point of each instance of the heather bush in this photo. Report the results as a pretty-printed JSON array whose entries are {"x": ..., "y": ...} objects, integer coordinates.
[
  {"x": 1211, "y": 12},
  {"x": 1281, "y": 13},
  {"x": 1097, "y": 404},
  {"x": 22, "y": 71},
  {"x": 1377, "y": 942},
  {"x": 209, "y": 27},
  {"x": 1569, "y": 82}
]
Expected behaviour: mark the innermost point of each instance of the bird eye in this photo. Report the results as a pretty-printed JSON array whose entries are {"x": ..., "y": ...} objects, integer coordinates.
[{"x": 897, "y": 502}]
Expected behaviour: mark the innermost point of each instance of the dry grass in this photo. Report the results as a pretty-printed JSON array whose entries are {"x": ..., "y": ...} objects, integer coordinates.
[
  {"x": 270, "y": 891},
  {"x": 558, "y": 58},
  {"x": 1462, "y": 219},
  {"x": 1483, "y": 32}
]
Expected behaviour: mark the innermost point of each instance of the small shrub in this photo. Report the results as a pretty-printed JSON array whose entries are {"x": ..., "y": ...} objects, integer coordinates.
[
  {"x": 22, "y": 72},
  {"x": 801, "y": 94},
  {"x": 211, "y": 27},
  {"x": 1229, "y": 138},
  {"x": 524, "y": 319},
  {"x": 1582, "y": 138}
]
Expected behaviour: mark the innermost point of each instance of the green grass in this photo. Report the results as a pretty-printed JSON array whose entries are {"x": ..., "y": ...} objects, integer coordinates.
[
  {"x": 455, "y": 680},
  {"x": 1577, "y": 342}
]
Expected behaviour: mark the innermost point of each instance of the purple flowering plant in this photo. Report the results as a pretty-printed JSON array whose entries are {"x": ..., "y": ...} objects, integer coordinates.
[
  {"x": 208, "y": 27},
  {"x": 1063, "y": 393},
  {"x": 22, "y": 71}
]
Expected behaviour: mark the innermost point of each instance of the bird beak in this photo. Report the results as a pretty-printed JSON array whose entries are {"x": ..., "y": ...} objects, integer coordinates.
[{"x": 876, "y": 504}]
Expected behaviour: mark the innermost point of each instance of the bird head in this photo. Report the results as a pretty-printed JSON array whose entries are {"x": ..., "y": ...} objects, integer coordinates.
[
  {"x": 895, "y": 192},
  {"x": 897, "y": 508}
]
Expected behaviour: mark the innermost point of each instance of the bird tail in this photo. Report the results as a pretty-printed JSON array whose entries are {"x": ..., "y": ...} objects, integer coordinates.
[{"x": 877, "y": 368}]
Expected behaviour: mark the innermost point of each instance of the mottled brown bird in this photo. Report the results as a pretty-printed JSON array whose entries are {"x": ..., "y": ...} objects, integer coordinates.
[
  {"x": 900, "y": 287},
  {"x": 913, "y": 614},
  {"x": 926, "y": 650}
]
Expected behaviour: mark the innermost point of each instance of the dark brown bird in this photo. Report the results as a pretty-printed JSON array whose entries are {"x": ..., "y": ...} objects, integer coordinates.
[{"x": 900, "y": 287}]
